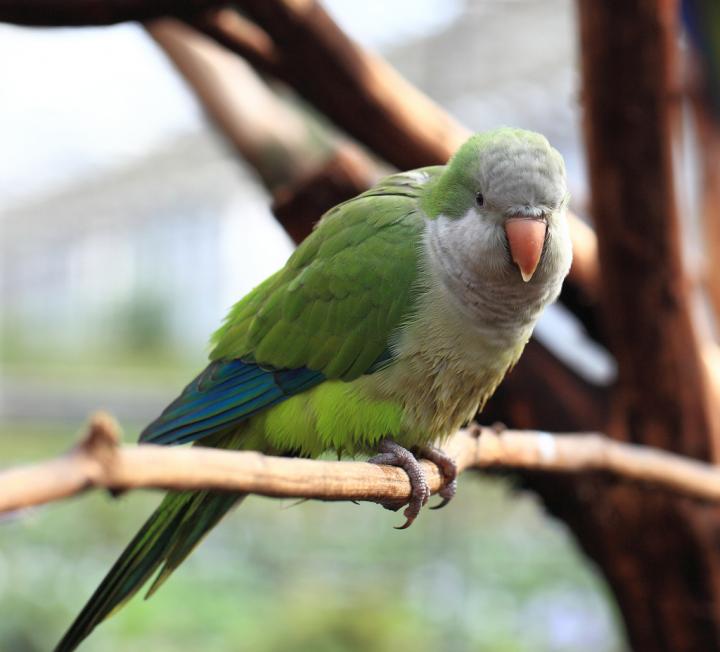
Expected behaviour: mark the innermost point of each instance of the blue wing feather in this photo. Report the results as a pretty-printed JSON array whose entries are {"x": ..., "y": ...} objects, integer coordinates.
[{"x": 224, "y": 394}]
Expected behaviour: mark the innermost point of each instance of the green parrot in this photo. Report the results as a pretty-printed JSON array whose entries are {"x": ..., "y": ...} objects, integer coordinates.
[{"x": 388, "y": 328}]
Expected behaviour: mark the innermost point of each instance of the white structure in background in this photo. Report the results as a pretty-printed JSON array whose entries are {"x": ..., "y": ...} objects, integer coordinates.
[{"x": 180, "y": 227}]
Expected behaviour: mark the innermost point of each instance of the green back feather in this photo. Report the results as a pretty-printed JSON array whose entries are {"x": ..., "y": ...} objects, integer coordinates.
[{"x": 334, "y": 305}]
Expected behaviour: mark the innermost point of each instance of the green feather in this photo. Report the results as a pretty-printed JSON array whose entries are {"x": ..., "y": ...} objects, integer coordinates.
[{"x": 351, "y": 282}]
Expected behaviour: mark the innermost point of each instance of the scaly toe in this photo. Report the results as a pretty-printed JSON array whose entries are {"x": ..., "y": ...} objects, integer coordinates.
[
  {"x": 420, "y": 496},
  {"x": 395, "y": 455},
  {"x": 447, "y": 467},
  {"x": 447, "y": 493}
]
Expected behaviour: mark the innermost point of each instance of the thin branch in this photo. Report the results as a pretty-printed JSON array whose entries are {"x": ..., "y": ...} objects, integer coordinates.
[
  {"x": 98, "y": 461},
  {"x": 271, "y": 135},
  {"x": 82, "y": 13}
]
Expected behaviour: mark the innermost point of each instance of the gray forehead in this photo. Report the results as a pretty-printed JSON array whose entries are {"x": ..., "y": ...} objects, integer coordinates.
[{"x": 523, "y": 173}]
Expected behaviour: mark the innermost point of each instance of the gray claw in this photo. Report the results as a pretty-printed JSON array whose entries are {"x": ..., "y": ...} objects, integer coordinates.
[
  {"x": 395, "y": 455},
  {"x": 447, "y": 467},
  {"x": 447, "y": 493}
]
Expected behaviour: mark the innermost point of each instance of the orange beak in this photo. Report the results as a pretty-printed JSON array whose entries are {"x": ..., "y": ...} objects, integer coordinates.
[{"x": 526, "y": 237}]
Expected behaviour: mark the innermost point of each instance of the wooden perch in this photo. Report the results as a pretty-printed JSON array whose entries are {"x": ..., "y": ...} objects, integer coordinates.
[{"x": 98, "y": 461}]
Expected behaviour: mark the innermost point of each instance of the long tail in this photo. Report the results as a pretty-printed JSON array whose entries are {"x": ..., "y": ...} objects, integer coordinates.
[{"x": 167, "y": 538}]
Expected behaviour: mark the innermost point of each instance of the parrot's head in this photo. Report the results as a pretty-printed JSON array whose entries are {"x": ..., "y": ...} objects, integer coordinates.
[{"x": 498, "y": 209}]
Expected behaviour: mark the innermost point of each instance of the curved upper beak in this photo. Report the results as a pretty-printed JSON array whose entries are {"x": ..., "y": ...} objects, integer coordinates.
[{"x": 526, "y": 238}]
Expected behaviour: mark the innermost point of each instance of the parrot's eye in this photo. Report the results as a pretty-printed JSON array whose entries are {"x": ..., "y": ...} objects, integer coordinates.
[{"x": 479, "y": 199}]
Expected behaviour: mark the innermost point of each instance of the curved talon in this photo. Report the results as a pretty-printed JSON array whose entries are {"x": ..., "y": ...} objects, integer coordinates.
[
  {"x": 448, "y": 468},
  {"x": 395, "y": 455},
  {"x": 447, "y": 493},
  {"x": 408, "y": 522},
  {"x": 413, "y": 509}
]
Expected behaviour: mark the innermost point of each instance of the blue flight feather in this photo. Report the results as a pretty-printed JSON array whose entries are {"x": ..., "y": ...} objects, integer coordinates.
[{"x": 224, "y": 394}]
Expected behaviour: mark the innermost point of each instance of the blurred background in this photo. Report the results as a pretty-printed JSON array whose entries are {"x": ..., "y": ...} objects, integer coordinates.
[{"x": 128, "y": 227}]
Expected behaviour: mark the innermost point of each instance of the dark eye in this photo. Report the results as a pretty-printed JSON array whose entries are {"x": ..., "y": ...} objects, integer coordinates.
[{"x": 479, "y": 199}]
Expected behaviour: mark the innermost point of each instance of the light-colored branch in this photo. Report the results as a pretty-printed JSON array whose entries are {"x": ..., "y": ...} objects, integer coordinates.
[
  {"x": 99, "y": 462},
  {"x": 272, "y": 136}
]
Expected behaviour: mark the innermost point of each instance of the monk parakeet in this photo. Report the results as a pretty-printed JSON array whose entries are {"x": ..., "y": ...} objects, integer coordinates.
[{"x": 387, "y": 329}]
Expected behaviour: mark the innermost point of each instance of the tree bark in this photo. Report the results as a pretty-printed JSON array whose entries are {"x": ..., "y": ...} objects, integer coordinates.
[
  {"x": 627, "y": 52},
  {"x": 659, "y": 553}
]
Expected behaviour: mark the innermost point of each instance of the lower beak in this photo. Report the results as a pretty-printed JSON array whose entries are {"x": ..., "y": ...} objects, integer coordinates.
[{"x": 526, "y": 238}]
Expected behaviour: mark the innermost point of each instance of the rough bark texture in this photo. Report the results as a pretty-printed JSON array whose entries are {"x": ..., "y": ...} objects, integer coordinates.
[
  {"x": 626, "y": 70},
  {"x": 658, "y": 553}
]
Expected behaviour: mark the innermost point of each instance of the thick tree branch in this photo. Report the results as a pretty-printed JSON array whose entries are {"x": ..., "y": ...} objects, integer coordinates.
[
  {"x": 98, "y": 461},
  {"x": 662, "y": 391},
  {"x": 386, "y": 112},
  {"x": 81, "y": 13},
  {"x": 245, "y": 38},
  {"x": 662, "y": 398}
]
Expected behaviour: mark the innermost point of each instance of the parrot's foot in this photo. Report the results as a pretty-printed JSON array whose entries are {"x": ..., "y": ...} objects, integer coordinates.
[
  {"x": 447, "y": 467},
  {"x": 395, "y": 455}
]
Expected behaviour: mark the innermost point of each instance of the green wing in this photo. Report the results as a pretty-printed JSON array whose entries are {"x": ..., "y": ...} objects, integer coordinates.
[
  {"x": 334, "y": 305},
  {"x": 329, "y": 313}
]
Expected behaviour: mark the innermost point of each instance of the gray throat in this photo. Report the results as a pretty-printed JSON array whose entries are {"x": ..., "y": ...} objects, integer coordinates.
[{"x": 499, "y": 304}]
